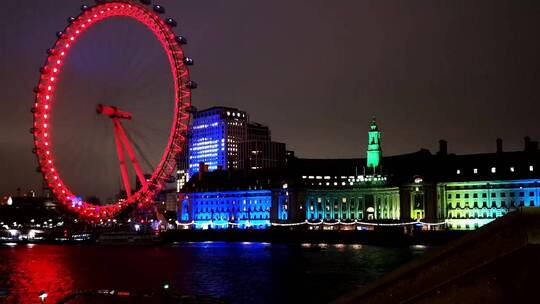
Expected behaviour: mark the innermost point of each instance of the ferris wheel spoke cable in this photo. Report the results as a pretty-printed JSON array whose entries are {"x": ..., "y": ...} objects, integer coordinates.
[
  {"x": 81, "y": 153},
  {"x": 139, "y": 150}
]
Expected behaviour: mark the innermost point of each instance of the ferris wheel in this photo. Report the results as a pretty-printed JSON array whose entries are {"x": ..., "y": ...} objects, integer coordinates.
[{"x": 47, "y": 90}]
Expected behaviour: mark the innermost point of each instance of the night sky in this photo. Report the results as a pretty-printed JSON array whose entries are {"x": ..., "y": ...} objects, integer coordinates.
[{"x": 315, "y": 71}]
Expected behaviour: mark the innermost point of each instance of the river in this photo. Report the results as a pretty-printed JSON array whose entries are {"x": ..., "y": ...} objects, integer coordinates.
[{"x": 235, "y": 272}]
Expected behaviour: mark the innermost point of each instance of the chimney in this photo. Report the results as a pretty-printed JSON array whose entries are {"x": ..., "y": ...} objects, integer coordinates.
[
  {"x": 499, "y": 145},
  {"x": 201, "y": 170},
  {"x": 443, "y": 147},
  {"x": 533, "y": 146},
  {"x": 527, "y": 143}
]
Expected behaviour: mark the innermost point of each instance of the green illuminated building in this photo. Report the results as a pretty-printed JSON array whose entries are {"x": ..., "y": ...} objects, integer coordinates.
[{"x": 469, "y": 205}]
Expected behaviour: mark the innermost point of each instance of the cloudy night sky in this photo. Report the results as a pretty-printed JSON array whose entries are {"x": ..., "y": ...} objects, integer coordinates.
[{"x": 315, "y": 71}]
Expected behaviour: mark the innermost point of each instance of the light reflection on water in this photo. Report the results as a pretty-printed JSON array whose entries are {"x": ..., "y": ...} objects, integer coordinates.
[{"x": 238, "y": 272}]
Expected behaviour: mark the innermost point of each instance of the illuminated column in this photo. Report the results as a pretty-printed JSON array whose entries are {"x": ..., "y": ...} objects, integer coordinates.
[{"x": 374, "y": 152}]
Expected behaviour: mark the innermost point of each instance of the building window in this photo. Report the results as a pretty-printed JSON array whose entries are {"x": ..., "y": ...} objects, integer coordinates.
[
  {"x": 531, "y": 168},
  {"x": 475, "y": 170},
  {"x": 493, "y": 169},
  {"x": 449, "y": 195},
  {"x": 458, "y": 171}
]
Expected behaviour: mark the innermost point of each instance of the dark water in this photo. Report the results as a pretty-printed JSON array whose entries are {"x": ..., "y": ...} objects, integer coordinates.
[{"x": 237, "y": 272}]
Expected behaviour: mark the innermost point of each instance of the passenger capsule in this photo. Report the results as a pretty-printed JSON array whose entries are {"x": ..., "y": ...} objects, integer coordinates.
[
  {"x": 159, "y": 9},
  {"x": 181, "y": 40},
  {"x": 191, "y": 84},
  {"x": 171, "y": 22}
]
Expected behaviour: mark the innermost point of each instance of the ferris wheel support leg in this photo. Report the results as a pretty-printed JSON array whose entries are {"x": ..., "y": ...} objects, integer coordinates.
[
  {"x": 121, "y": 159},
  {"x": 130, "y": 152}
]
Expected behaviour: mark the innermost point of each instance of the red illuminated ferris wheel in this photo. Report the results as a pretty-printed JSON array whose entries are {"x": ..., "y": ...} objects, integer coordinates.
[{"x": 45, "y": 97}]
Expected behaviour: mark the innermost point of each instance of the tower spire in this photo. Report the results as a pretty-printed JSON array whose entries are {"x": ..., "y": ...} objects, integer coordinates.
[{"x": 374, "y": 151}]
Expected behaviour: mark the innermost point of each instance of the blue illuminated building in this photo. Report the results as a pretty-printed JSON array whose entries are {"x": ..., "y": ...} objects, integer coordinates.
[
  {"x": 241, "y": 209},
  {"x": 234, "y": 199},
  {"x": 214, "y": 139}
]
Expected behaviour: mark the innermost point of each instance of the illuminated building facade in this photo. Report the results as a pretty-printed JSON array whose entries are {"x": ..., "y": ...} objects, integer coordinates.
[
  {"x": 215, "y": 135},
  {"x": 353, "y": 204},
  {"x": 217, "y": 210},
  {"x": 232, "y": 199},
  {"x": 462, "y": 191},
  {"x": 469, "y": 205},
  {"x": 476, "y": 189}
]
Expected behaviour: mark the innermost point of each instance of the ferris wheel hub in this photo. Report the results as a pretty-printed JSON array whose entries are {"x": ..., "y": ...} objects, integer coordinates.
[{"x": 112, "y": 112}]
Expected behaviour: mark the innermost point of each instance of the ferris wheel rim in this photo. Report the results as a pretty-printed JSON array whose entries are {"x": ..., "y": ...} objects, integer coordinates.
[{"x": 44, "y": 97}]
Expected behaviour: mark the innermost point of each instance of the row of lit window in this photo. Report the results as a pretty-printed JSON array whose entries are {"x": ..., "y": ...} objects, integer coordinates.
[
  {"x": 319, "y": 216},
  {"x": 493, "y": 194},
  {"x": 327, "y": 216},
  {"x": 352, "y": 205},
  {"x": 379, "y": 198},
  {"x": 458, "y": 215},
  {"x": 243, "y": 217},
  {"x": 359, "y": 177},
  {"x": 204, "y": 147},
  {"x": 502, "y": 204},
  {"x": 236, "y": 114},
  {"x": 351, "y": 208},
  {"x": 204, "y": 126},
  {"x": 204, "y": 141},
  {"x": 466, "y": 226},
  {"x": 236, "y": 124},
  {"x": 494, "y": 170}
]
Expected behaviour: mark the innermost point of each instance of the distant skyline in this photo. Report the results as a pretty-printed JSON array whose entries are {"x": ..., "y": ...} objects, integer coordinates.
[{"x": 314, "y": 71}]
